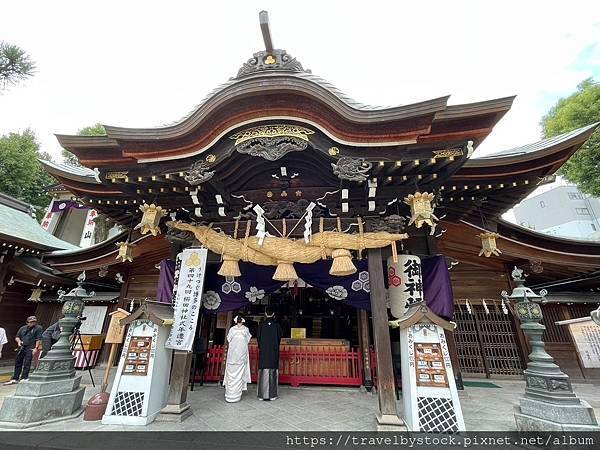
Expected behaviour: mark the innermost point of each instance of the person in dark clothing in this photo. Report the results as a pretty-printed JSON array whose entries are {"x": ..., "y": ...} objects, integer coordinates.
[
  {"x": 26, "y": 339},
  {"x": 268, "y": 337},
  {"x": 50, "y": 337}
]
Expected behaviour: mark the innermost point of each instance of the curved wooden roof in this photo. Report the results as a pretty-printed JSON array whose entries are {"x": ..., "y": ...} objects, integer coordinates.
[{"x": 290, "y": 95}]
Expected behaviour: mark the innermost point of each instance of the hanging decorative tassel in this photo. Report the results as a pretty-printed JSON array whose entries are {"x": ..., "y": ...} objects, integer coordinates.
[
  {"x": 504, "y": 308},
  {"x": 230, "y": 267},
  {"x": 342, "y": 263},
  {"x": 468, "y": 306},
  {"x": 284, "y": 228},
  {"x": 285, "y": 271}
]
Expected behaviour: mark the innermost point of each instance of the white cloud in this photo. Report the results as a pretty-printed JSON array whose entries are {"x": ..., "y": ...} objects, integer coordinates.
[{"x": 149, "y": 63}]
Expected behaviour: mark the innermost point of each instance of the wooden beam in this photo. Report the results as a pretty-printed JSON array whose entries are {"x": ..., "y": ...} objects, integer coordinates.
[
  {"x": 263, "y": 18},
  {"x": 388, "y": 413},
  {"x": 365, "y": 344}
]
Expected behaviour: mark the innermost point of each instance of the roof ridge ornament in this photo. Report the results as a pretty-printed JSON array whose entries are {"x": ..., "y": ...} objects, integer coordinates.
[{"x": 270, "y": 58}]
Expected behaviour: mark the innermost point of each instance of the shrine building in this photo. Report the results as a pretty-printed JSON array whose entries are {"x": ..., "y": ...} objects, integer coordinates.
[{"x": 278, "y": 152}]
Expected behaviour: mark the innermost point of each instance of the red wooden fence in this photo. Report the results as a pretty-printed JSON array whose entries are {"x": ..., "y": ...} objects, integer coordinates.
[{"x": 296, "y": 367}]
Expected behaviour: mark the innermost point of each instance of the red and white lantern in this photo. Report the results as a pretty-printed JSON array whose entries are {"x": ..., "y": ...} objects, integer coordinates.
[{"x": 405, "y": 284}]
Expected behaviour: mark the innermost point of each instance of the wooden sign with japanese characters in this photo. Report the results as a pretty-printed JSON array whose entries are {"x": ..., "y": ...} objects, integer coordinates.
[
  {"x": 429, "y": 365},
  {"x": 138, "y": 356}
]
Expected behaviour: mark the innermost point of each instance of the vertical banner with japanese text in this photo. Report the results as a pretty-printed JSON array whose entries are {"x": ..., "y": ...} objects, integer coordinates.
[
  {"x": 187, "y": 299},
  {"x": 87, "y": 236}
]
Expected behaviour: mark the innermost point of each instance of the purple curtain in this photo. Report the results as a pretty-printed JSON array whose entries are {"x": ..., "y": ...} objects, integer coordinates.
[
  {"x": 59, "y": 206},
  {"x": 437, "y": 287},
  {"x": 164, "y": 292},
  {"x": 354, "y": 290},
  {"x": 225, "y": 294}
]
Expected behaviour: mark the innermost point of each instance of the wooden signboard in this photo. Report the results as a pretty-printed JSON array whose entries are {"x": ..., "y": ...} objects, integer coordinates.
[
  {"x": 298, "y": 333},
  {"x": 587, "y": 340},
  {"x": 94, "y": 322},
  {"x": 115, "y": 331},
  {"x": 430, "y": 369},
  {"x": 138, "y": 356}
]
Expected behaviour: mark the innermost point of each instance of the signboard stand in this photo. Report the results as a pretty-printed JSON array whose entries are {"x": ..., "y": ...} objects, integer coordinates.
[
  {"x": 190, "y": 270},
  {"x": 429, "y": 394},
  {"x": 141, "y": 384},
  {"x": 586, "y": 336}
]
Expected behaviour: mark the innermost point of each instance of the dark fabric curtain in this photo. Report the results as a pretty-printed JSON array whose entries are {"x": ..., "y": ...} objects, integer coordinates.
[
  {"x": 164, "y": 293},
  {"x": 437, "y": 287},
  {"x": 225, "y": 294}
]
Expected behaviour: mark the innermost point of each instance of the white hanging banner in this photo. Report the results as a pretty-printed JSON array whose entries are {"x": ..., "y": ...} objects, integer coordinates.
[
  {"x": 88, "y": 229},
  {"x": 405, "y": 284},
  {"x": 187, "y": 298}
]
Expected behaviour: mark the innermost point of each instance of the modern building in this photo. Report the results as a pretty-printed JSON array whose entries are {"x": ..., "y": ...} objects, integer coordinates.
[{"x": 562, "y": 211}]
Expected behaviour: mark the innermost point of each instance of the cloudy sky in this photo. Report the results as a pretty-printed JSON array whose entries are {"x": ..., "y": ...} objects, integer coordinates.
[{"x": 131, "y": 63}]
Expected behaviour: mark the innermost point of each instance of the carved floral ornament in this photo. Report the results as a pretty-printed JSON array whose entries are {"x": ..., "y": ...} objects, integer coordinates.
[{"x": 271, "y": 142}]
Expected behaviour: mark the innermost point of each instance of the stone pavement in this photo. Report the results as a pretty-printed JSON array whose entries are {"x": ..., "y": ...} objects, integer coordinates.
[{"x": 316, "y": 409}]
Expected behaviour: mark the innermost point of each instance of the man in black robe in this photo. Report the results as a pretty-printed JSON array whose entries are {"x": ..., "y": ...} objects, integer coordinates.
[{"x": 268, "y": 337}]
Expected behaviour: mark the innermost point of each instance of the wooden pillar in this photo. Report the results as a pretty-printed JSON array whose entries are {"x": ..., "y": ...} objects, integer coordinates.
[
  {"x": 388, "y": 413},
  {"x": 452, "y": 349},
  {"x": 177, "y": 408},
  {"x": 364, "y": 346}
]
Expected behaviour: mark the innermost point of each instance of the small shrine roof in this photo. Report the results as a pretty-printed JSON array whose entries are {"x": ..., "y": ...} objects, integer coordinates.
[
  {"x": 77, "y": 173},
  {"x": 18, "y": 225}
]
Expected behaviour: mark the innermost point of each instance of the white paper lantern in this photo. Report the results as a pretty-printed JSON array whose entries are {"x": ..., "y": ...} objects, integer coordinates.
[{"x": 405, "y": 284}]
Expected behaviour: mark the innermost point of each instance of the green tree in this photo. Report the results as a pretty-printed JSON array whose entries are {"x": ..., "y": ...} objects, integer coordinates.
[
  {"x": 577, "y": 110},
  {"x": 15, "y": 65},
  {"x": 21, "y": 174},
  {"x": 94, "y": 130}
]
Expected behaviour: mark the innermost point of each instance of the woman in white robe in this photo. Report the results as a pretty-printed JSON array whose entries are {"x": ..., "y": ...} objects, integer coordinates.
[{"x": 237, "y": 368}]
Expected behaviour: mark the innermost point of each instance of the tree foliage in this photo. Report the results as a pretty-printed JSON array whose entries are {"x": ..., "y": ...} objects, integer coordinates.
[
  {"x": 578, "y": 110},
  {"x": 94, "y": 130},
  {"x": 15, "y": 65},
  {"x": 21, "y": 174}
]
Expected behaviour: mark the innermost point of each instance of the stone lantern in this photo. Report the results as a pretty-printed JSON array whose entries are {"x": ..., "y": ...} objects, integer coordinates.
[
  {"x": 549, "y": 402},
  {"x": 53, "y": 391}
]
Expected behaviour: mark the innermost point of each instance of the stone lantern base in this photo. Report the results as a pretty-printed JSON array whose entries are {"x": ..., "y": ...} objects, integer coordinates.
[
  {"x": 537, "y": 415},
  {"x": 39, "y": 402}
]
